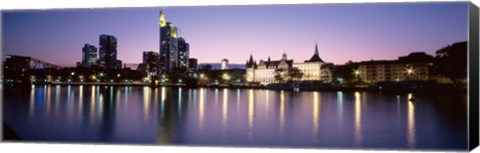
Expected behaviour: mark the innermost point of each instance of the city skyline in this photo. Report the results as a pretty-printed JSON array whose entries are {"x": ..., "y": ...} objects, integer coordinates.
[{"x": 239, "y": 31}]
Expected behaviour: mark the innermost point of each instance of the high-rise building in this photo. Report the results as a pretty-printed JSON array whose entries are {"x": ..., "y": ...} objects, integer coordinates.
[
  {"x": 89, "y": 55},
  {"x": 224, "y": 64},
  {"x": 192, "y": 63},
  {"x": 174, "y": 50},
  {"x": 108, "y": 52},
  {"x": 168, "y": 44},
  {"x": 183, "y": 52},
  {"x": 151, "y": 57}
]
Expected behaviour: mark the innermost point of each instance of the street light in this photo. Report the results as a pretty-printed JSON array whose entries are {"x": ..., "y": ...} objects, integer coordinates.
[
  {"x": 357, "y": 73},
  {"x": 409, "y": 71},
  {"x": 226, "y": 76}
]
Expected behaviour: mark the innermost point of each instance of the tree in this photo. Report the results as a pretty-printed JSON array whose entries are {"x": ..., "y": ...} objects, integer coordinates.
[
  {"x": 279, "y": 75},
  {"x": 451, "y": 61},
  {"x": 294, "y": 74}
]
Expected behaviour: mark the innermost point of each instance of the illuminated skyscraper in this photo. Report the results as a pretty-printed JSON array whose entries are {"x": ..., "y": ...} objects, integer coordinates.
[
  {"x": 183, "y": 52},
  {"x": 168, "y": 45},
  {"x": 108, "y": 52},
  {"x": 89, "y": 55},
  {"x": 174, "y": 50}
]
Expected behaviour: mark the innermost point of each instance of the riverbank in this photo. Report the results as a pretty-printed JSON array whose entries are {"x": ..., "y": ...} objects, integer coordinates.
[{"x": 382, "y": 87}]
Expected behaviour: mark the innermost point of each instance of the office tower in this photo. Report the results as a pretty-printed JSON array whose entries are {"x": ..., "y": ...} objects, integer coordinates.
[
  {"x": 108, "y": 52},
  {"x": 192, "y": 63},
  {"x": 89, "y": 56},
  {"x": 151, "y": 57},
  {"x": 183, "y": 53},
  {"x": 168, "y": 45}
]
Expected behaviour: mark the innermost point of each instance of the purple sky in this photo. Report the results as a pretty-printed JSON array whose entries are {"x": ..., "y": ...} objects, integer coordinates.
[{"x": 343, "y": 31}]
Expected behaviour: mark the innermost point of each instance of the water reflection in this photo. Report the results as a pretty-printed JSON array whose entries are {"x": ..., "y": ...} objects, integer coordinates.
[
  {"x": 32, "y": 100},
  {"x": 188, "y": 116},
  {"x": 201, "y": 108},
  {"x": 282, "y": 113},
  {"x": 315, "y": 117},
  {"x": 92, "y": 104},
  {"x": 411, "y": 122},
  {"x": 225, "y": 108},
  {"x": 146, "y": 102},
  {"x": 163, "y": 96},
  {"x": 340, "y": 108},
  {"x": 250, "y": 113},
  {"x": 49, "y": 100},
  {"x": 180, "y": 101},
  {"x": 57, "y": 98},
  {"x": 358, "y": 119},
  {"x": 80, "y": 101}
]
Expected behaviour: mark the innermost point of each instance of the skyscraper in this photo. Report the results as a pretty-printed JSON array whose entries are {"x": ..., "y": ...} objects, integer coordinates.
[
  {"x": 108, "y": 52},
  {"x": 168, "y": 44},
  {"x": 89, "y": 55},
  {"x": 174, "y": 50},
  {"x": 183, "y": 52},
  {"x": 151, "y": 62}
]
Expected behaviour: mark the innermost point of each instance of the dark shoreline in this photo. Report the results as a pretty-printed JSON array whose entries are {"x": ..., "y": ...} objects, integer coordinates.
[
  {"x": 9, "y": 134},
  {"x": 396, "y": 88}
]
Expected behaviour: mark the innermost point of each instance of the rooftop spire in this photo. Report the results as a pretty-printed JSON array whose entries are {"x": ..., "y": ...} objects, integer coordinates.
[
  {"x": 316, "y": 49},
  {"x": 162, "y": 19}
]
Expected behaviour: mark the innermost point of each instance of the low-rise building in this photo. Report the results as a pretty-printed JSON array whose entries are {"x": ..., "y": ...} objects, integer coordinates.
[
  {"x": 267, "y": 72},
  {"x": 415, "y": 66}
]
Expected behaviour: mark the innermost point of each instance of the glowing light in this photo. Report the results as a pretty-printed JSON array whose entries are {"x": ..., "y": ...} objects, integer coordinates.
[
  {"x": 358, "y": 119},
  {"x": 411, "y": 123},
  {"x": 225, "y": 108},
  {"x": 32, "y": 100},
  {"x": 146, "y": 102},
  {"x": 250, "y": 113},
  {"x": 226, "y": 76},
  {"x": 201, "y": 107},
  {"x": 92, "y": 103},
  {"x": 282, "y": 112},
  {"x": 80, "y": 100},
  {"x": 315, "y": 116}
]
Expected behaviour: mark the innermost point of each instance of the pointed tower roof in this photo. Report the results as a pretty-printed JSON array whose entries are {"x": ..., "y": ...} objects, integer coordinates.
[
  {"x": 316, "y": 57},
  {"x": 251, "y": 59},
  {"x": 162, "y": 19}
]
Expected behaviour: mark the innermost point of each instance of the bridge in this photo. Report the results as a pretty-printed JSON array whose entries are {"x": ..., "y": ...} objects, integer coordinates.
[
  {"x": 27, "y": 63},
  {"x": 18, "y": 70}
]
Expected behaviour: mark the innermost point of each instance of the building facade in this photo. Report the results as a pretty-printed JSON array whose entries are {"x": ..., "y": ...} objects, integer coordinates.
[
  {"x": 183, "y": 52},
  {"x": 415, "y": 66},
  {"x": 89, "y": 56},
  {"x": 224, "y": 64},
  {"x": 174, "y": 50},
  {"x": 151, "y": 61},
  {"x": 108, "y": 52},
  {"x": 192, "y": 63},
  {"x": 267, "y": 72}
]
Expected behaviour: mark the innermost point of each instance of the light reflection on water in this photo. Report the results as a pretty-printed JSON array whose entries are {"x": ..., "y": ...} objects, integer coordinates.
[{"x": 235, "y": 117}]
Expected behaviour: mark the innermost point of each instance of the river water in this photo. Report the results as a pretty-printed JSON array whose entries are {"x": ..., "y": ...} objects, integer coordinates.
[{"x": 238, "y": 117}]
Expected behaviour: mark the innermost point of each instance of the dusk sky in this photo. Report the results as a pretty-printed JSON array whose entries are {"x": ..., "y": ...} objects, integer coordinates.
[{"x": 343, "y": 32}]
